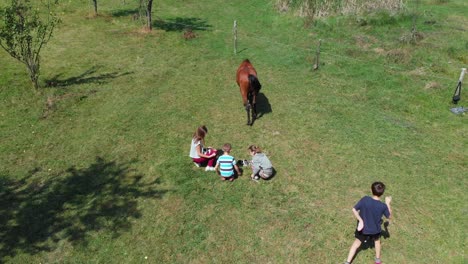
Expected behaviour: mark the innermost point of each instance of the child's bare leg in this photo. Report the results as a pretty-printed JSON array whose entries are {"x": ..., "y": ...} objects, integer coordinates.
[
  {"x": 356, "y": 244},
  {"x": 378, "y": 247}
]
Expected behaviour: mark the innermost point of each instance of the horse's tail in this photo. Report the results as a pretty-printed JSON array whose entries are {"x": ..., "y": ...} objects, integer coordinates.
[{"x": 254, "y": 84}]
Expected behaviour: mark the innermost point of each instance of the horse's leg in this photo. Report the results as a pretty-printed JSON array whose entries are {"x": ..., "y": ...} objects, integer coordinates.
[
  {"x": 254, "y": 110},
  {"x": 250, "y": 103},
  {"x": 247, "y": 109}
]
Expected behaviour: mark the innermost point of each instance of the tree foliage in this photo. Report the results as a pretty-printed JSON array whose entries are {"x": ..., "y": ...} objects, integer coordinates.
[{"x": 23, "y": 33}]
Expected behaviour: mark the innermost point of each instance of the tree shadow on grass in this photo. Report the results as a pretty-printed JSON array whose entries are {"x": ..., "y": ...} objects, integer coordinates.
[
  {"x": 181, "y": 24},
  {"x": 35, "y": 214},
  {"x": 125, "y": 12},
  {"x": 89, "y": 76}
]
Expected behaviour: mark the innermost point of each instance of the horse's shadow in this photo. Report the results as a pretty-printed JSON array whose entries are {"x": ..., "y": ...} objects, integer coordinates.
[{"x": 263, "y": 105}]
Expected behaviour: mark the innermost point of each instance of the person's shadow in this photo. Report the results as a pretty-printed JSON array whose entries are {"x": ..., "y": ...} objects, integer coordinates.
[
  {"x": 273, "y": 174},
  {"x": 385, "y": 234},
  {"x": 369, "y": 243}
]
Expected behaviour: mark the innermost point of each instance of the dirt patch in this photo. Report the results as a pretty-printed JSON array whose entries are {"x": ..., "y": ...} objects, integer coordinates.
[{"x": 189, "y": 34}]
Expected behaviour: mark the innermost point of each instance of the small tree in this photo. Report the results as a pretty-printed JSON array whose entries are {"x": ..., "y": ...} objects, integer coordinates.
[
  {"x": 23, "y": 34},
  {"x": 146, "y": 7}
]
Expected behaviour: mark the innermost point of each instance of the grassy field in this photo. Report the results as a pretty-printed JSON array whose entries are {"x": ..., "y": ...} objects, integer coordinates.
[{"x": 104, "y": 175}]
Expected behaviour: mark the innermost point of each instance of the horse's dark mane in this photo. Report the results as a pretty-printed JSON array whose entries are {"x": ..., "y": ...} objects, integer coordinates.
[{"x": 254, "y": 83}]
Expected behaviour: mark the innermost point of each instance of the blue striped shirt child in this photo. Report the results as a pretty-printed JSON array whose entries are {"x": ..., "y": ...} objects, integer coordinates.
[{"x": 226, "y": 165}]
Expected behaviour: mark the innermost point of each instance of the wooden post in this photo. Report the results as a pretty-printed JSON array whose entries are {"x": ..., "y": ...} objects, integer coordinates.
[
  {"x": 235, "y": 37},
  {"x": 462, "y": 75},
  {"x": 456, "y": 95},
  {"x": 317, "y": 55}
]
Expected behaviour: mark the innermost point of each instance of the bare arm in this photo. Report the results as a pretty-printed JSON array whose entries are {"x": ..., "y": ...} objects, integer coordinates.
[
  {"x": 255, "y": 166},
  {"x": 237, "y": 169},
  {"x": 388, "y": 200},
  {"x": 358, "y": 217}
]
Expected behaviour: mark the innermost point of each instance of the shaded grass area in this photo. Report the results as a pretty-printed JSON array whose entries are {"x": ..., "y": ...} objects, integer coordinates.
[
  {"x": 38, "y": 212},
  {"x": 181, "y": 23},
  {"x": 85, "y": 77},
  {"x": 134, "y": 102}
]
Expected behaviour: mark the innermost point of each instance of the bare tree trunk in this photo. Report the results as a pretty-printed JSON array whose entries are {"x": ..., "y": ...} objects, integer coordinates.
[
  {"x": 33, "y": 68},
  {"x": 95, "y": 7},
  {"x": 35, "y": 80},
  {"x": 148, "y": 14}
]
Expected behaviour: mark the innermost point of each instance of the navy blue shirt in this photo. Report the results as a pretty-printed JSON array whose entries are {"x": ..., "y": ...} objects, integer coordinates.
[{"x": 371, "y": 212}]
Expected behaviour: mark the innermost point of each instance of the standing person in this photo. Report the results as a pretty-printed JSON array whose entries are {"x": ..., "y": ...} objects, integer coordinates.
[
  {"x": 226, "y": 164},
  {"x": 261, "y": 165},
  {"x": 198, "y": 153},
  {"x": 369, "y": 211}
]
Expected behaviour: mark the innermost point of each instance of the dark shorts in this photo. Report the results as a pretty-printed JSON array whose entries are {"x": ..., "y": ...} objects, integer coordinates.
[{"x": 365, "y": 237}]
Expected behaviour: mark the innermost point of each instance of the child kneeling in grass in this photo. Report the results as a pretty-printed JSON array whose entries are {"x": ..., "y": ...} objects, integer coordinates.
[
  {"x": 261, "y": 165},
  {"x": 226, "y": 164}
]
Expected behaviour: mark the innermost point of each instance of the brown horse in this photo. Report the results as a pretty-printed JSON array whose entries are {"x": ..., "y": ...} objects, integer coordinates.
[{"x": 249, "y": 87}]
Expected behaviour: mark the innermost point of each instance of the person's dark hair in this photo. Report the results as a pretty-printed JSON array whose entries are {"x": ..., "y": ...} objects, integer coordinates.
[
  {"x": 200, "y": 133},
  {"x": 378, "y": 188},
  {"x": 255, "y": 149},
  {"x": 226, "y": 147}
]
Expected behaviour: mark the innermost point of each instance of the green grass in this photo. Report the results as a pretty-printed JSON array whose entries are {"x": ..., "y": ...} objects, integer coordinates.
[{"x": 105, "y": 176}]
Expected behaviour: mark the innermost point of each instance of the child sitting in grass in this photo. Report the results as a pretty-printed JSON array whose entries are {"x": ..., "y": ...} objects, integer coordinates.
[
  {"x": 226, "y": 164},
  {"x": 261, "y": 165},
  {"x": 199, "y": 154}
]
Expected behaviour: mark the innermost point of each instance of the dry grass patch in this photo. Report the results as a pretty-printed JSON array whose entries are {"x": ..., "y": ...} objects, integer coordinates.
[
  {"x": 401, "y": 56},
  {"x": 380, "y": 51},
  {"x": 418, "y": 72},
  {"x": 432, "y": 86},
  {"x": 313, "y": 9},
  {"x": 365, "y": 42},
  {"x": 360, "y": 6},
  {"x": 412, "y": 37}
]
